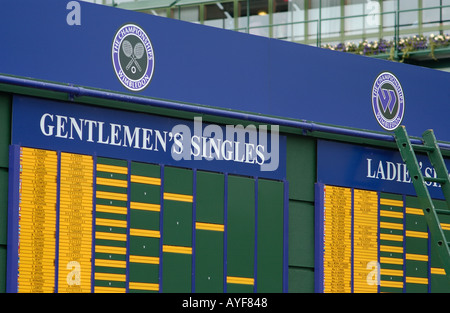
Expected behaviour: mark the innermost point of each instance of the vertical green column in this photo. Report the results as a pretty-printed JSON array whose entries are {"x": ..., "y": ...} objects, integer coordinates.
[
  {"x": 111, "y": 225},
  {"x": 209, "y": 232},
  {"x": 177, "y": 230},
  {"x": 144, "y": 242},
  {"x": 416, "y": 247},
  {"x": 240, "y": 234},
  {"x": 270, "y": 236}
]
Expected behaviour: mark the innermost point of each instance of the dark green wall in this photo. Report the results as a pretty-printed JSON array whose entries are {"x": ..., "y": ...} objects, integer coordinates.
[
  {"x": 301, "y": 174},
  {"x": 301, "y": 156},
  {"x": 5, "y": 139}
]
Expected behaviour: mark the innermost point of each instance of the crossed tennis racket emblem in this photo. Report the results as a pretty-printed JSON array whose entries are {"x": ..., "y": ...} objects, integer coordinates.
[{"x": 134, "y": 54}]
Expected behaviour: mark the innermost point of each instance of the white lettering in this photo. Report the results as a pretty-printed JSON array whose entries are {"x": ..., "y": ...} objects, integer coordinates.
[
  {"x": 100, "y": 134},
  {"x": 370, "y": 174},
  {"x": 398, "y": 172},
  {"x": 49, "y": 130},
  {"x": 380, "y": 171},
  {"x": 391, "y": 171},
  {"x": 195, "y": 142},
  {"x": 60, "y": 125},
  {"x": 147, "y": 137},
  {"x": 90, "y": 129},
  {"x": 242, "y": 145},
  {"x": 78, "y": 128},
  {"x": 115, "y": 128},
  {"x": 130, "y": 138}
]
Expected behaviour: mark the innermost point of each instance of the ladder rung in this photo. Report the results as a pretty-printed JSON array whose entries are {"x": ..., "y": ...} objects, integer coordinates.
[
  {"x": 422, "y": 148},
  {"x": 445, "y": 212},
  {"x": 435, "y": 180}
]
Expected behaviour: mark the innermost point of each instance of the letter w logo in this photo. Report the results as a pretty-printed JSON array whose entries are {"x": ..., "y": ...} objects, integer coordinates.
[{"x": 387, "y": 99}]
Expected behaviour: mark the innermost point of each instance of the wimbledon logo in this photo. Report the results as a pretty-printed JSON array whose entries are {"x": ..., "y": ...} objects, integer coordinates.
[
  {"x": 388, "y": 101},
  {"x": 132, "y": 57}
]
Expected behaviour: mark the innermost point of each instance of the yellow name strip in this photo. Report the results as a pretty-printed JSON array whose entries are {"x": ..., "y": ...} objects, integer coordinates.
[
  {"x": 240, "y": 280},
  {"x": 112, "y": 169},
  {"x": 391, "y": 214},
  {"x": 391, "y": 237},
  {"x": 392, "y": 284},
  {"x": 391, "y": 225},
  {"x": 145, "y": 206},
  {"x": 416, "y": 234},
  {"x": 144, "y": 259},
  {"x": 110, "y": 222},
  {"x": 177, "y": 249},
  {"x": 391, "y": 202},
  {"x": 391, "y": 249},
  {"x": 145, "y": 180},
  {"x": 178, "y": 197},
  {"x": 416, "y": 257},
  {"x": 145, "y": 233},
  {"x": 414, "y": 211},
  {"x": 109, "y": 276},
  {"x": 111, "y": 182},
  {"x": 110, "y": 263},
  {"x": 111, "y": 236},
  {"x": 110, "y": 249},
  {"x": 144, "y": 286},
  {"x": 209, "y": 226},
  {"x": 109, "y": 289},
  {"x": 389, "y": 272},
  {"x": 437, "y": 271},
  {"x": 391, "y": 260},
  {"x": 111, "y": 209},
  {"x": 417, "y": 280},
  {"x": 112, "y": 195}
]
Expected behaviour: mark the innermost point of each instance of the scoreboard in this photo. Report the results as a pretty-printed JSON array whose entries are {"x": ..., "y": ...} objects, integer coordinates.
[
  {"x": 371, "y": 235},
  {"x": 89, "y": 219},
  {"x": 94, "y": 224},
  {"x": 373, "y": 242}
]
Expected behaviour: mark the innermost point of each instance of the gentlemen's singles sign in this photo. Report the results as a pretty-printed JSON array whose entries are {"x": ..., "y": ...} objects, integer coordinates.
[{"x": 247, "y": 150}]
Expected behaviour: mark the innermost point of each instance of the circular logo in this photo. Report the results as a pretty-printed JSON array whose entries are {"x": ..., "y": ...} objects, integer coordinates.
[
  {"x": 132, "y": 57},
  {"x": 388, "y": 101}
]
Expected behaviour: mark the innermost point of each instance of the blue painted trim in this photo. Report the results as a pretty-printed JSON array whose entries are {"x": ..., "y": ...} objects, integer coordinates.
[
  {"x": 94, "y": 210},
  {"x": 378, "y": 242},
  {"x": 318, "y": 251},
  {"x": 12, "y": 271},
  {"x": 76, "y": 91},
  {"x": 58, "y": 215},
  {"x": 352, "y": 240}
]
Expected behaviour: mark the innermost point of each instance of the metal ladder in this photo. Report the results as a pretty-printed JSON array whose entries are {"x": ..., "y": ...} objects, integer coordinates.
[{"x": 430, "y": 146}]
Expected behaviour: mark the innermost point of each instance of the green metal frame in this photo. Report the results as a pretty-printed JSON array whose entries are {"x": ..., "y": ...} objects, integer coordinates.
[{"x": 407, "y": 151}]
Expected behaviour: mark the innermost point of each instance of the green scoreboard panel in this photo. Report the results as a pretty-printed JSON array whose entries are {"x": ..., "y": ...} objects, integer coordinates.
[
  {"x": 371, "y": 242},
  {"x": 85, "y": 223}
]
